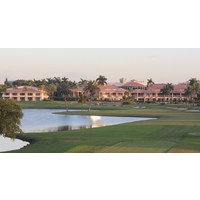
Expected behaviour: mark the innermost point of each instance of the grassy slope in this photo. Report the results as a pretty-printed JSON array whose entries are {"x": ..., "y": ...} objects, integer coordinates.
[{"x": 174, "y": 131}]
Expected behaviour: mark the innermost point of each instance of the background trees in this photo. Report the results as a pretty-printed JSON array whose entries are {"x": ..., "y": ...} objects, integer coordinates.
[
  {"x": 61, "y": 88},
  {"x": 193, "y": 90},
  {"x": 91, "y": 89},
  {"x": 82, "y": 99},
  {"x": 10, "y": 116},
  {"x": 2, "y": 89},
  {"x": 166, "y": 90},
  {"x": 64, "y": 90},
  {"x": 82, "y": 83},
  {"x": 50, "y": 89},
  {"x": 150, "y": 84},
  {"x": 101, "y": 80}
]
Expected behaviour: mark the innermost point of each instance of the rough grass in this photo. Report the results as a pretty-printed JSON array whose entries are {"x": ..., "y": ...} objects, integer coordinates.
[{"x": 175, "y": 131}]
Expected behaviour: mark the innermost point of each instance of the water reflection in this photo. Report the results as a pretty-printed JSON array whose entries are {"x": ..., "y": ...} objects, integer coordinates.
[
  {"x": 95, "y": 118},
  {"x": 69, "y": 128},
  {"x": 63, "y": 128}
]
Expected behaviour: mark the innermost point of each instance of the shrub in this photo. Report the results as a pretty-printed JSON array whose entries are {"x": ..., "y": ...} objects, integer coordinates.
[{"x": 128, "y": 103}]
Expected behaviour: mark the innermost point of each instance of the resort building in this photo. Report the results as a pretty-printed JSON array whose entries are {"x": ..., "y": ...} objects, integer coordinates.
[
  {"x": 134, "y": 85},
  {"x": 107, "y": 92},
  {"x": 25, "y": 93},
  {"x": 138, "y": 91},
  {"x": 111, "y": 93},
  {"x": 76, "y": 92},
  {"x": 153, "y": 94}
]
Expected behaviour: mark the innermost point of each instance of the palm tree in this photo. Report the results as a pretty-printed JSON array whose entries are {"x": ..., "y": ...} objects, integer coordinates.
[
  {"x": 7, "y": 84},
  {"x": 91, "y": 88},
  {"x": 126, "y": 96},
  {"x": 82, "y": 99},
  {"x": 150, "y": 84},
  {"x": 64, "y": 89},
  {"x": 82, "y": 83},
  {"x": 43, "y": 81},
  {"x": 51, "y": 89},
  {"x": 166, "y": 90},
  {"x": 101, "y": 80},
  {"x": 193, "y": 89}
]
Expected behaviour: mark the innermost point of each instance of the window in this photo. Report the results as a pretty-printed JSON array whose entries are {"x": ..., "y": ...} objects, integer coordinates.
[
  {"x": 22, "y": 94},
  {"x": 14, "y": 94},
  {"x": 30, "y": 94}
]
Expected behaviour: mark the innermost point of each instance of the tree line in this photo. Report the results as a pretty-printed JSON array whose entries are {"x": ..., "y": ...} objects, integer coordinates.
[
  {"x": 61, "y": 88},
  {"x": 192, "y": 90}
]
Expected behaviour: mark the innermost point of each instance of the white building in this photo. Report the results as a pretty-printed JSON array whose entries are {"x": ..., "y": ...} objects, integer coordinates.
[{"x": 25, "y": 93}]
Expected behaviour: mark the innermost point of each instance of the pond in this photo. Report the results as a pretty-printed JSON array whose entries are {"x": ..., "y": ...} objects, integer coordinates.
[{"x": 43, "y": 120}]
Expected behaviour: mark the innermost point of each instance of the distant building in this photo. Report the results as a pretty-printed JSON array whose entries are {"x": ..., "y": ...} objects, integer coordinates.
[
  {"x": 123, "y": 80},
  {"x": 76, "y": 92},
  {"x": 111, "y": 92},
  {"x": 133, "y": 85},
  {"x": 107, "y": 92},
  {"x": 139, "y": 92},
  {"x": 25, "y": 93},
  {"x": 153, "y": 94}
]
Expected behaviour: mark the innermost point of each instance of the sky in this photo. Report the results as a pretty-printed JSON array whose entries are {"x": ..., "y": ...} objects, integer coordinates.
[{"x": 165, "y": 65}]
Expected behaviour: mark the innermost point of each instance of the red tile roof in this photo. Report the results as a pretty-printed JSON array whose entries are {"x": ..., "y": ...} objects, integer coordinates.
[
  {"x": 137, "y": 91},
  {"x": 180, "y": 88},
  {"x": 133, "y": 83},
  {"x": 111, "y": 88},
  {"x": 23, "y": 89}
]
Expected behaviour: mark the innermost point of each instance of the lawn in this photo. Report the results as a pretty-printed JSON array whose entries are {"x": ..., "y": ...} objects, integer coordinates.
[
  {"x": 173, "y": 131},
  {"x": 71, "y": 104}
]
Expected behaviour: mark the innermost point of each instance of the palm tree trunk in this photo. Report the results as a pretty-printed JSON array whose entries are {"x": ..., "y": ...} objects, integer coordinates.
[
  {"x": 66, "y": 106},
  {"x": 90, "y": 104}
]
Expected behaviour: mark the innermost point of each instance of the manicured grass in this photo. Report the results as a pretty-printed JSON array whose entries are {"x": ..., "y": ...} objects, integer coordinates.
[
  {"x": 42, "y": 104},
  {"x": 72, "y": 105},
  {"x": 173, "y": 131}
]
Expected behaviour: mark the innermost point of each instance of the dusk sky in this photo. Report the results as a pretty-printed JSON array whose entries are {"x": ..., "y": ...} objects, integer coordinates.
[{"x": 162, "y": 65}]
